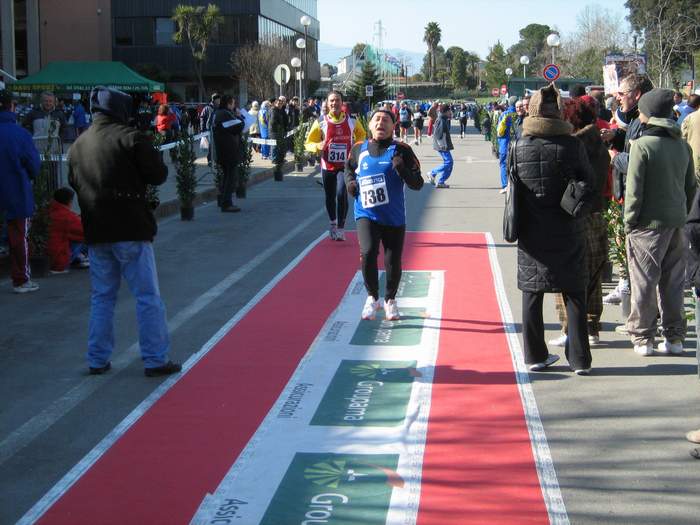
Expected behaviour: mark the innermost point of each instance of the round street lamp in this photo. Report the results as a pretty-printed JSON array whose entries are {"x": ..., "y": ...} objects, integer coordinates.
[
  {"x": 306, "y": 22},
  {"x": 301, "y": 44},
  {"x": 524, "y": 60},
  {"x": 553, "y": 41},
  {"x": 509, "y": 72},
  {"x": 296, "y": 64}
]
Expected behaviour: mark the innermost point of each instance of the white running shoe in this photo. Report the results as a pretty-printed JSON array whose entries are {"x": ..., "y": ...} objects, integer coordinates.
[
  {"x": 431, "y": 178},
  {"x": 391, "y": 310},
  {"x": 369, "y": 310},
  {"x": 29, "y": 286},
  {"x": 667, "y": 347},
  {"x": 644, "y": 350},
  {"x": 593, "y": 340},
  {"x": 333, "y": 231},
  {"x": 503, "y": 191},
  {"x": 559, "y": 341},
  {"x": 551, "y": 359},
  {"x": 614, "y": 297},
  {"x": 340, "y": 234}
]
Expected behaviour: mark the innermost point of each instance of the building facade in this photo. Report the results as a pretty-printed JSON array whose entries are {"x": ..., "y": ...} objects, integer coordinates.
[
  {"x": 142, "y": 37},
  {"x": 139, "y": 33}
]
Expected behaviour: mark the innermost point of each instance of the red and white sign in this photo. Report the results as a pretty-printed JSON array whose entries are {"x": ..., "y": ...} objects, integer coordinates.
[
  {"x": 551, "y": 72},
  {"x": 494, "y": 92},
  {"x": 504, "y": 89}
]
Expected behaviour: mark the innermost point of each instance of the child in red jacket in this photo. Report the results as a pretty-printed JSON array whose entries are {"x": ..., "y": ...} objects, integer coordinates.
[{"x": 66, "y": 240}]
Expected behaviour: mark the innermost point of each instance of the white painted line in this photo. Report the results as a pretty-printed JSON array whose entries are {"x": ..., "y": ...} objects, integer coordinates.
[
  {"x": 540, "y": 448},
  {"x": 58, "y": 490},
  {"x": 25, "y": 434}
]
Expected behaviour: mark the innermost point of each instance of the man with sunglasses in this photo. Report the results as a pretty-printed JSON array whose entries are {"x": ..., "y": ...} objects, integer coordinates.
[{"x": 629, "y": 128}]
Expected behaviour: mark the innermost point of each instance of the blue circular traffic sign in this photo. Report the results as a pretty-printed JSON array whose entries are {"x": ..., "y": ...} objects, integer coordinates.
[{"x": 551, "y": 72}]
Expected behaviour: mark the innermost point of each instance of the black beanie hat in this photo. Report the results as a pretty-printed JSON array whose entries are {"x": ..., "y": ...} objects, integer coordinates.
[
  {"x": 112, "y": 102},
  {"x": 657, "y": 103}
]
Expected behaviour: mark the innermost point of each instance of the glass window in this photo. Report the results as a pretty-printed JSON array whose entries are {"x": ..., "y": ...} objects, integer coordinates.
[
  {"x": 143, "y": 31},
  {"x": 165, "y": 28},
  {"x": 228, "y": 32},
  {"x": 308, "y": 6},
  {"x": 123, "y": 32}
]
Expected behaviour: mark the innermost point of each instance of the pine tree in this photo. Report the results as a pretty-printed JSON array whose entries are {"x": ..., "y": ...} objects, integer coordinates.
[{"x": 368, "y": 77}]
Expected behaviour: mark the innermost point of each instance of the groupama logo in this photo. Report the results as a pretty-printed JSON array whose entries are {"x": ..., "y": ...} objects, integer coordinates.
[
  {"x": 335, "y": 474},
  {"x": 380, "y": 372}
]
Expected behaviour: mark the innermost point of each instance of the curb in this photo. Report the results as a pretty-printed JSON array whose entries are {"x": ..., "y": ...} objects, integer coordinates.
[{"x": 172, "y": 207}]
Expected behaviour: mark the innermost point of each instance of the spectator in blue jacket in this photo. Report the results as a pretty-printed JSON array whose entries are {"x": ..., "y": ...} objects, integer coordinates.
[
  {"x": 504, "y": 131},
  {"x": 19, "y": 164}
]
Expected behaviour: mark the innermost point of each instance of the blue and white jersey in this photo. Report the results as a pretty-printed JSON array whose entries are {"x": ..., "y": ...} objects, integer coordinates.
[{"x": 381, "y": 189}]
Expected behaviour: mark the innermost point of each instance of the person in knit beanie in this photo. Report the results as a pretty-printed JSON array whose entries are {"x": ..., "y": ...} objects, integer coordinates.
[
  {"x": 551, "y": 243},
  {"x": 658, "y": 196}
]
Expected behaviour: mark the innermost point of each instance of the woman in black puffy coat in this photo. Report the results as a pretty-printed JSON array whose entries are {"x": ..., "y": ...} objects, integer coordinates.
[{"x": 551, "y": 243}]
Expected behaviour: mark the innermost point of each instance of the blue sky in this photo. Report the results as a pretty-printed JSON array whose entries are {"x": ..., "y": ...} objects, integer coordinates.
[{"x": 474, "y": 25}]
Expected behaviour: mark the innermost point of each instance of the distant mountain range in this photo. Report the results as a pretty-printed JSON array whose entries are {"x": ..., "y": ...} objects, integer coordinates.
[{"x": 331, "y": 54}]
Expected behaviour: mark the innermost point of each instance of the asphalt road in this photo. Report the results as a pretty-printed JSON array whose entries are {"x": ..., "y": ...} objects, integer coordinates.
[{"x": 616, "y": 437}]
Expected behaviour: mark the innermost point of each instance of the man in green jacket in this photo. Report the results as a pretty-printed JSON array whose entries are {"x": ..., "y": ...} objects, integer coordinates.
[{"x": 660, "y": 189}]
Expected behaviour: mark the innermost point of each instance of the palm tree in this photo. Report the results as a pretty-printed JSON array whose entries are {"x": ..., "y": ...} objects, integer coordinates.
[
  {"x": 432, "y": 36},
  {"x": 196, "y": 26}
]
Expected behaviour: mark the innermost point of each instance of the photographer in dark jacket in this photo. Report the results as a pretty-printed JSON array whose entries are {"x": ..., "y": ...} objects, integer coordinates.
[
  {"x": 109, "y": 167},
  {"x": 551, "y": 243},
  {"x": 226, "y": 127}
]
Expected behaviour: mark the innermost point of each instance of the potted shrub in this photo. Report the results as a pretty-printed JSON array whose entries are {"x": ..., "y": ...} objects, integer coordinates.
[
  {"x": 243, "y": 168},
  {"x": 39, "y": 229},
  {"x": 153, "y": 192},
  {"x": 279, "y": 135},
  {"x": 299, "y": 150},
  {"x": 614, "y": 216},
  {"x": 186, "y": 180}
]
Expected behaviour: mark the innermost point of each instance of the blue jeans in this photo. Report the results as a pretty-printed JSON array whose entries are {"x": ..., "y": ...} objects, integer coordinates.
[
  {"x": 503, "y": 160},
  {"x": 76, "y": 250},
  {"x": 264, "y": 149},
  {"x": 136, "y": 263},
  {"x": 442, "y": 173}
]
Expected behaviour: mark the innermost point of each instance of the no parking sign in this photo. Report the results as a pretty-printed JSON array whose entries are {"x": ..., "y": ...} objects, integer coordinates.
[{"x": 551, "y": 72}]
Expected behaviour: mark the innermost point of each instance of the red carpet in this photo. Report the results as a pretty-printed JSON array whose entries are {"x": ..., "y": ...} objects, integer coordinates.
[{"x": 478, "y": 463}]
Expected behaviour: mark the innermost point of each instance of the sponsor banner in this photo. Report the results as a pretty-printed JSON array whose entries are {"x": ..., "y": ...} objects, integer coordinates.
[
  {"x": 407, "y": 331},
  {"x": 344, "y": 443},
  {"x": 343, "y": 489},
  {"x": 413, "y": 284},
  {"x": 367, "y": 393}
]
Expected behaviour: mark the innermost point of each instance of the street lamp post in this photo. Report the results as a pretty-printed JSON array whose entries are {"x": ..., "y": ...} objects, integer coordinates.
[
  {"x": 524, "y": 60},
  {"x": 509, "y": 72},
  {"x": 306, "y": 22},
  {"x": 301, "y": 44},
  {"x": 553, "y": 41},
  {"x": 296, "y": 64}
]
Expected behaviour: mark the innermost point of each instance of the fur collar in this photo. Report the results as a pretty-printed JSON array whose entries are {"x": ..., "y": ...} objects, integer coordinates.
[{"x": 546, "y": 127}]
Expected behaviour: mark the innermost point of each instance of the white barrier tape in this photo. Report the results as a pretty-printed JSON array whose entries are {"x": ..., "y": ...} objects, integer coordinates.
[{"x": 171, "y": 145}]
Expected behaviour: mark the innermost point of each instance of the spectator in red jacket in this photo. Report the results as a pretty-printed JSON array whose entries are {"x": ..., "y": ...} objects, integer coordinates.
[
  {"x": 66, "y": 240},
  {"x": 165, "y": 121}
]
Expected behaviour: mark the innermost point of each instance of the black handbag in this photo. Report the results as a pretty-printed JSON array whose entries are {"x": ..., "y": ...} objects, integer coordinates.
[
  {"x": 576, "y": 199},
  {"x": 510, "y": 211}
]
